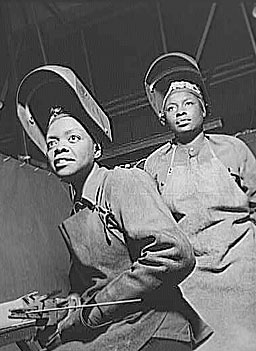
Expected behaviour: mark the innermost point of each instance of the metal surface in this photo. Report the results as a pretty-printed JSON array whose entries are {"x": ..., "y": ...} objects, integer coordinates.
[{"x": 14, "y": 334}]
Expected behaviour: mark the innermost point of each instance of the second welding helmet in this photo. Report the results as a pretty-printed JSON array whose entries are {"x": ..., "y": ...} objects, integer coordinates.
[{"x": 170, "y": 68}]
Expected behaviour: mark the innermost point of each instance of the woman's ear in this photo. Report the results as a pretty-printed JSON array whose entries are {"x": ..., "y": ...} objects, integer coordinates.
[
  {"x": 203, "y": 108},
  {"x": 97, "y": 151},
  {"x": 162, "y": 118}
]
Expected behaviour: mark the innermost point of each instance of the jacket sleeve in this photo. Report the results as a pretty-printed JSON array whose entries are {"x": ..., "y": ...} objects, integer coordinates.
[
  {"x": 248, "y": 170},
  {"x": 165, "y": 255},
  {"x": 248, "y": 175}
]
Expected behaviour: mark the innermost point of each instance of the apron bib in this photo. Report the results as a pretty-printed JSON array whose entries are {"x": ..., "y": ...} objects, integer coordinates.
[{"x": 215, "y": 216}]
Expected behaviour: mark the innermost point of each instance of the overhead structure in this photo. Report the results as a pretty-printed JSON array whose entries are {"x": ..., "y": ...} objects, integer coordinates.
[{"x": 110, "y": 44}]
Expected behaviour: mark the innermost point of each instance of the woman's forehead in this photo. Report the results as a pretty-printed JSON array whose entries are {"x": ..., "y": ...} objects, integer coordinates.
[
  {"x": 64, "y": 125},
  {"x": 181, "y": 95}
]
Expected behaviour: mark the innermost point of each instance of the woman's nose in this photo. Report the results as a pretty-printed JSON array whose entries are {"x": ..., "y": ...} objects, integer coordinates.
[
  {"x": 180, "y": 113},
  {"x": 60, "y": 147}
]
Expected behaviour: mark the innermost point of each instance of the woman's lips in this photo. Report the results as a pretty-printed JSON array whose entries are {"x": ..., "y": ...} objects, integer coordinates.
[
  {"x": 183, "y": 122},
  {"x": 62, "y": 161}
]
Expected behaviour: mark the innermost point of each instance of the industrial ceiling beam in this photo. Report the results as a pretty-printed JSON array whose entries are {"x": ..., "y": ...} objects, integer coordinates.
[
  {"x": 249, "y": 28},
  {"x": 39, "y": 33},
  {"x": 161, "y": 26},
  {"x": 151, "y": 141},
  {"x": 205, "y": 32}
]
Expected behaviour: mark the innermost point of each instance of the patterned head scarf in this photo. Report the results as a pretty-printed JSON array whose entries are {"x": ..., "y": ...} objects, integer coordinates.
[{"x": 178, "y": 86}]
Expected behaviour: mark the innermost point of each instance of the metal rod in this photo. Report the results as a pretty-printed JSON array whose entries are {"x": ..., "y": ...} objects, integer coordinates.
[
  {"x": 52, "y": 7},
  {"x": 249, "y": 28},
  {"x": 84, "y": 306},
  {"x": 206, "y": 31},
  {"x": 163, "y": 37},
  {"x": 87, "y": 61},
  {"x": 39, "y": 34}
]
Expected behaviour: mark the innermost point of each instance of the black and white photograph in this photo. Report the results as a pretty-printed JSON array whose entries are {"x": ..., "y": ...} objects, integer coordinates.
[{"x": 128, "y": 175}]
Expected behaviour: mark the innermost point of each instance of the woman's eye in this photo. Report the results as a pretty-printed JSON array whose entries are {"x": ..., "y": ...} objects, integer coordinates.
[
  {"x": 51, "y": 144},
  {"x": 74, "y": 138},
  {"x": 189, "y": 103},
  {"x": 170, "y": 108}
]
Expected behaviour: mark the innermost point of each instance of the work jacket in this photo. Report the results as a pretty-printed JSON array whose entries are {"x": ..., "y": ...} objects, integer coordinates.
[
  {"x": 126, "y": 245},
  {"x": 209, "y": 186}
]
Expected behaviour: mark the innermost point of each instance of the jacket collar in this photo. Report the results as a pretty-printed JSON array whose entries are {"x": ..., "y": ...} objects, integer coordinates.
[
  {"x": 92, "y": 182},
  {"x": 194, "y": 147}
]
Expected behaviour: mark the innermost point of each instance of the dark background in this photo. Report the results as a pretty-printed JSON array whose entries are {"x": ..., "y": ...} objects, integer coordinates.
[{"x": 111, "y": 43}]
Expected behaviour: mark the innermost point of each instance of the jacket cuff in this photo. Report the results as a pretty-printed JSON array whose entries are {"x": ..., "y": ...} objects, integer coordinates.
[{"x": 92, "y": 317}]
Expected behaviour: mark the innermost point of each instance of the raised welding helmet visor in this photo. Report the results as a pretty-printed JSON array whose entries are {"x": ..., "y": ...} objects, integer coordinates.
[
  {"x": 56, "y": 86},
  {"x": 168, "y": 68}
]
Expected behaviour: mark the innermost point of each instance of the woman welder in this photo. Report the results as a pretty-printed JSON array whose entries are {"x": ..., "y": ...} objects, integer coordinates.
[
  {"x": 209, "y": 184},
  {"x": 122, "y": 237}
]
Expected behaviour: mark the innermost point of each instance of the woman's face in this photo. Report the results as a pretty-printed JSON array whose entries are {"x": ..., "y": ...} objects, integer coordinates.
[
  {"x": 183, "y": 112},
  {"x": 70, "y": 149}
]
